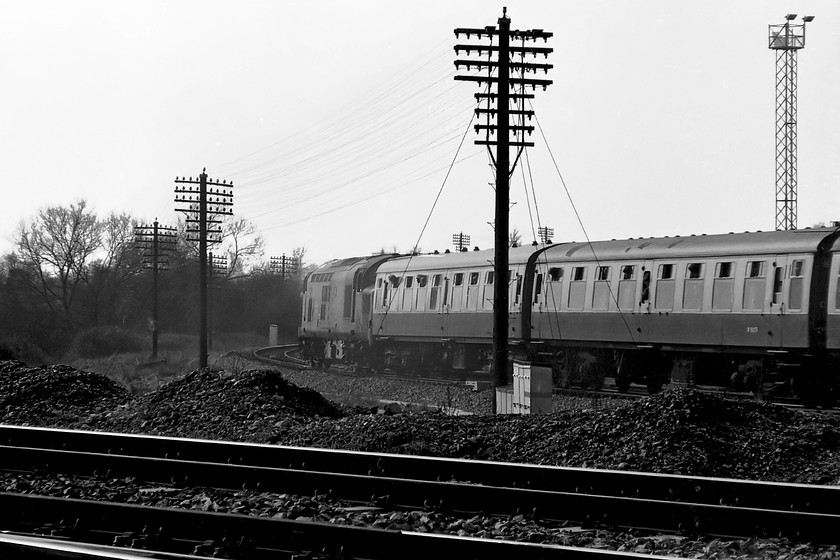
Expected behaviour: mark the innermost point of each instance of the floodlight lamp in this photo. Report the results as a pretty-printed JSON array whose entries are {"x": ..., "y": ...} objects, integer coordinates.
[
  {"x": 790, "y": 17},
  {"x": 806, "y": 19}
]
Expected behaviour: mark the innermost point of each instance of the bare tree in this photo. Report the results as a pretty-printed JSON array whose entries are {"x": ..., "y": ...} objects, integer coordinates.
[
  {"x": 56, "y": 248},
  {"x": 119, "y": 261},
  {"x": 515, "y": 237},
  {"x": 243, "y": 244}
]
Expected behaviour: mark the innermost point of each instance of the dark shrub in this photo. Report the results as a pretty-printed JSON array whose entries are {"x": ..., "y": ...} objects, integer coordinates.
[{"x": 104, "y": 341}]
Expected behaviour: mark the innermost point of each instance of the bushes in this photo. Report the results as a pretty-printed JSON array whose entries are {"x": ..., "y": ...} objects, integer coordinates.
[
  {"x": 98, "y": 342},
  {"x": 15, "y": 348}
]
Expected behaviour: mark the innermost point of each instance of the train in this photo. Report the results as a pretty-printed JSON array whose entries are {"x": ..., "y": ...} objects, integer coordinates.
[{"x": 757, "y": 312}]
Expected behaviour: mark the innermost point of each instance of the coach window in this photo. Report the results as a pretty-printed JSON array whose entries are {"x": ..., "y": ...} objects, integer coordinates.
[
  {"x": 577, "y": 287},
  {"x": 538, "y": 284},
  {"x": 723, "y": 287},
  {"x": 693, "y": 287},
  {"x": 665, "y": 287},
  {"x": 778, "y": 284},
  {"x": 518, "y": 293},
  {"x": 554, "y": 288},
  {"x": 459, "y": 278},
  {"x": 755, "y": 284},
  {"x": 797, "y": 281},
  {"x": 472, "y": 291},
  {"x": 433, "y": 297},
  {"x": 601, "y": 291},
  {"x": 487, "y": 295},
  {"x": 407, "y": 293},
  {"x": 627, "y": 287},
  {"x": 420, "y": 296}
]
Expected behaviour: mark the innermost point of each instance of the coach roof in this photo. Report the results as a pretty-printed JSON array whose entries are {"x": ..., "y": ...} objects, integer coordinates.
[{"x": 695, "y": 246}]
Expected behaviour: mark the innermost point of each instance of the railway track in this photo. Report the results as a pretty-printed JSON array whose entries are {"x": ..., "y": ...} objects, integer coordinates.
[
  {"x": 550, "y": 496},
  {"x": 284, "y": 356}
]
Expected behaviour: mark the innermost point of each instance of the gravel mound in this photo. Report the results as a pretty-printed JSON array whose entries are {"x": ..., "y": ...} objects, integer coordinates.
[
  {"x": 221, "y": 405},
  {"x": 678, "y": 432},
  {"x": 682, "y": 431},
  {"x": 54, "y": 395}
]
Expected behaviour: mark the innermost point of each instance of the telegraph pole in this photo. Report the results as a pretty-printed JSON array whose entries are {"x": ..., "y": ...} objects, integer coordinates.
[
  {"x": 155, "y": 240},
  {"x": 285, "y": 266},
  {"x": 203, "y": 207},
  {"x": 545, "y": 234},
  {"x": 502, "y": 129},
  {"x": 217, "y": 265},
  {"x": 460, "y": 241}
]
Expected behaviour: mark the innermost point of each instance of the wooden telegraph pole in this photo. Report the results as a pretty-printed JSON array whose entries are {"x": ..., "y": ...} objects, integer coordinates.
[
  {"x": 205, "y": 200},
  {"x": 155, "y": 241},
  {"x": 503, "y": 66}
]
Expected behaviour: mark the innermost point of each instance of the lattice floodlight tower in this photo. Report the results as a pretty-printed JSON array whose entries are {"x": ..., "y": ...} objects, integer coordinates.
[
  {"x": 204, "y": 201},
  {"x": 500, "y": 65},
  {"x": 786, "y": 39}
]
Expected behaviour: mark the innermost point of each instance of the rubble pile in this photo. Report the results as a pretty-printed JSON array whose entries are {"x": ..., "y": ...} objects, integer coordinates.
[
  {"x": 210, "y": 404},
  {"x": 55, "y": 396},
  {"x": 681, "y": 432},
  {"x": 678, "y": 432}
]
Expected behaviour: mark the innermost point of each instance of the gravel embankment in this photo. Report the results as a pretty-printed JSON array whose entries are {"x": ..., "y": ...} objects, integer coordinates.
[{"x": 681, "y": 431}]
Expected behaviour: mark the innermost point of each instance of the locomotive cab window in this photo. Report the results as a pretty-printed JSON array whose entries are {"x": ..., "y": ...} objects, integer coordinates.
[
  {"x": 723, "y": 287},
  {"x": 755, "y": 284},
  {"x": 665, "y": 287},
  {"x": 693, "y": 287}
]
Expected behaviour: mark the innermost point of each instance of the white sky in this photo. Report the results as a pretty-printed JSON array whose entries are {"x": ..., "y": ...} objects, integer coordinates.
[{"x": 337, "y": 121}]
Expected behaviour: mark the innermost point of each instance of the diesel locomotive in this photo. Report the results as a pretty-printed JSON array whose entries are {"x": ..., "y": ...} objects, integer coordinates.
[{"x": 757, "y": 312}]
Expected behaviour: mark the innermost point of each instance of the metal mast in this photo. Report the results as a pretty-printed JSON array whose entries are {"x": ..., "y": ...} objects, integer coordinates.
[
  {"x": 786, "y": 39},
  {"x": 503, "y": 66}
]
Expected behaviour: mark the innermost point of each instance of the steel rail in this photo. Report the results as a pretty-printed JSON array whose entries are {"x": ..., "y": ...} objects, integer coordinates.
[
  {"x": 693, "y": 489},
  {"x": 27, "y": 547},
  {"x": 239, "y": 536},
  {"x": 450, "y": 497}
]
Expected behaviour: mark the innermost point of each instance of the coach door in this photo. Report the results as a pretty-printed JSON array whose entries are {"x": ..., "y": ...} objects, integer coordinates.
[{"x": 785, "y": 297}]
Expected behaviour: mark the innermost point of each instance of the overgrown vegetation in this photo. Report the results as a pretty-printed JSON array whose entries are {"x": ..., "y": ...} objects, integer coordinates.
[{"x": 78, "y": 289}]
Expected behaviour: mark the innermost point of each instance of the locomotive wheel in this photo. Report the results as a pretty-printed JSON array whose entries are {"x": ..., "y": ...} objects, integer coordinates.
[
  {"x": 654, "y": 382},
  {"x": 623, "y": 377},
  {"x": 622, "y": 382}
]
